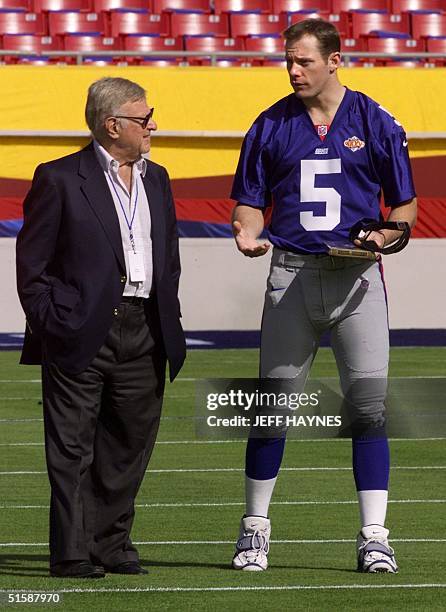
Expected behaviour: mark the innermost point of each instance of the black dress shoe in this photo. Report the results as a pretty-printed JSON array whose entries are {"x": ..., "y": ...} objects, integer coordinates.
[
  {"x": 76, "y": 569},
  {"x": 126, "y": 567}
]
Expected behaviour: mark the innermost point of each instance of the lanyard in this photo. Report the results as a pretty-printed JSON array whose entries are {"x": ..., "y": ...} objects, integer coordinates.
[{"x": 129, "y": 223}]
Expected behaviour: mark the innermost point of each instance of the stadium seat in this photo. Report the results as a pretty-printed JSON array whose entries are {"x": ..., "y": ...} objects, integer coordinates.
[
  {"x": 301, "y": 6},
  {"x": 437, "y": 45},
  {"x": 161, "y": 63},
  {"x": 425, "y": 25},
  {"x": 152, "y": 43},
  {"x": 21, "y": 23},
  {"x": 30, "y": 43},
  {"x": 89, "y": 44},
  {"x": 341, "y": 21},
  {"x": 353, "y": 44},
  {"x": 407, "y": 6},
  {"x": 142, "y": 6},
  {"x": 379, "y": 24},
  {"x": 257, "y": 25},
  {"x": 76, "y": 23},
  {"x": 395, "y": 45},
  {"x": 192, "y": 24},
  {"x": 409, "y": 64},
  {"x": 374, "y": 6},
  {"x": 47, "y": 6},
  {"x": 19, "y": 6},
  {"x": 213, "y": 44},
  {"x": 265, "y": 44},
  {"x": 242, "y": 6},
  {"x": 139, "y": 23},
  {"x": 181, "y": 6}
]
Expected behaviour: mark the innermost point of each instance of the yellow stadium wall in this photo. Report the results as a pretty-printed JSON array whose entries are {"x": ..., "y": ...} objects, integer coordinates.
[{"x": 53, "y": 99}]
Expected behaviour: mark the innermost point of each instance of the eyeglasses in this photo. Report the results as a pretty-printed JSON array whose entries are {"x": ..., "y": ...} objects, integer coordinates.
[{"x": 143, "y": 121}]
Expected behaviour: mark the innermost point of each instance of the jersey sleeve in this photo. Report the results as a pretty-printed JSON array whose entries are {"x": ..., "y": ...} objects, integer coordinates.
[
  {"x": 393, "y": 162},
  {"x": 250, "y": 181}
]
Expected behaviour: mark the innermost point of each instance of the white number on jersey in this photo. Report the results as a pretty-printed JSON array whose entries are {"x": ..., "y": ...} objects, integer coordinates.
[{"x": 309, "y": 168}]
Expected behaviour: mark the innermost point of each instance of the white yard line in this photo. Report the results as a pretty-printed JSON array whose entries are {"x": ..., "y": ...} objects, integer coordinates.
[
  {"x": 224, "y": 542},
  {"x": 217, "y": 470},
  {"x": 243, "y": 441},
  {"x": 230, "y": 504},
  {"x": 291, "y": 587}
]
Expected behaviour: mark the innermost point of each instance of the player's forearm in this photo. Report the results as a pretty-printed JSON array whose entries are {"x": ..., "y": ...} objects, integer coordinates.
[
  {"x": 405, "y": 212},
  {"x": 251, "y": 219}
]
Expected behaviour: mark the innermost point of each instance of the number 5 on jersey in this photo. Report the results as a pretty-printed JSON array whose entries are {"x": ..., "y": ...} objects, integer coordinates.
[{"x": 309, "y": 169}]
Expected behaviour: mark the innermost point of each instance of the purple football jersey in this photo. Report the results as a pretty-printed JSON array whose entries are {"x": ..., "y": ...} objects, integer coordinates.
[{"x": 320, "y": 189}]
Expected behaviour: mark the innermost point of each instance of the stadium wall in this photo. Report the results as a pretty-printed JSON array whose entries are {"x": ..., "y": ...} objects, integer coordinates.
[{"x": 222, "y": 290}]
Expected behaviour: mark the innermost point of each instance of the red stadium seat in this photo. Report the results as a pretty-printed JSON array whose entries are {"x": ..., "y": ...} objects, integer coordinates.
[
  {"x": 161, "y": 63},
  {"x": 76, "y": 23},
  {"x": 21, "y": 23},
  {"x": 265, "y": 44},
  {"x": 152, "y": 43},
  {"x": 41, "y": 6},
  {"x": 89, "y": 44},
  {"x": 352, "y": 44},
  {"x": 257, "y": 25},
  {"x": 340, "y": 21},
  {"x": 395, "y": 45},
  {"x": 299, "y": 6},
  {"x": 139, "y": 23},
  {"x": 360, "y": 5},
  {"x": 427, "y": 25},
  {"x": 365, "y": 23},
  {"x": 30, "y": 43},
  {"x": 143, "y": 6},
  {"x": 242, "y": 6},
  {"x": 185, "y": 6},
  {"x": 15, "y": 5},
  {"x": 408, "y": 64},
  {"x": 213, "y": 44},
  {"x": 407, "y": 6},
  {"x": 437, "y": 45},
  {"x": 192, "y": 24}
]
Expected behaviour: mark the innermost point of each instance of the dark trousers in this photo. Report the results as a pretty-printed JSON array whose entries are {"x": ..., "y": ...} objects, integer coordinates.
[{"x": 100, "y": 429}]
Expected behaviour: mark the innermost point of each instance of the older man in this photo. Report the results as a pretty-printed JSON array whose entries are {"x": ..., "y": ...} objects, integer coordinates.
[{"x": 97, "y": 274}]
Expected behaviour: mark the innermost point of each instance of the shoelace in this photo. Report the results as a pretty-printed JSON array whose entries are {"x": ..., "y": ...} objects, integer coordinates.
[{"x": 263, "y": 546}]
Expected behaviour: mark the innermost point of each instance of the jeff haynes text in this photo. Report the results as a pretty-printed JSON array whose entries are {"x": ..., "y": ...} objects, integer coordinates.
[{"x": 275, "y": 421}]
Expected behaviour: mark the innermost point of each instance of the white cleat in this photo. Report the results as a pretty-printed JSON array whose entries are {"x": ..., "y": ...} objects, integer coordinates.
[
  {"x": 374, "y": 553},
  {"x": 253, "y": 544}
]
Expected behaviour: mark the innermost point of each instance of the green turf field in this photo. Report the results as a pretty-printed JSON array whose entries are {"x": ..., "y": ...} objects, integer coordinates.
[{"x": 191, "y": 501}]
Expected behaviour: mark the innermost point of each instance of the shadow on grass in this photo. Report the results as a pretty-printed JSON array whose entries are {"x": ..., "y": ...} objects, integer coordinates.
[{"x": 24, "y": 565}]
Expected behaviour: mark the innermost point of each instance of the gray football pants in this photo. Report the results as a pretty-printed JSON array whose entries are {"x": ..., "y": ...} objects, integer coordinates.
[{"x": 308, "y": 294}]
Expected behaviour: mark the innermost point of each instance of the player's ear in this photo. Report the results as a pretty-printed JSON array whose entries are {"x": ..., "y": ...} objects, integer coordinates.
[{"x": 334, "y": 61}]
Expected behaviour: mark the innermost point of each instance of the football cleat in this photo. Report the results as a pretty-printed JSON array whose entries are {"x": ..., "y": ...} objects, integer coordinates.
[
  {"x": 374, "y": 553},
  {"x": 253, "y": 544}
]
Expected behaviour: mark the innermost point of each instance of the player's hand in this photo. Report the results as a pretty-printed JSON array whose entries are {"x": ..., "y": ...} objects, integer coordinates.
[
  {"x": 377, "y": 237},
  {"x": 246, "y": 244}
]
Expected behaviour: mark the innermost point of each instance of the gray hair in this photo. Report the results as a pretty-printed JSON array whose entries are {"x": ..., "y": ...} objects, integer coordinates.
[{"x": 105, "y": 98}]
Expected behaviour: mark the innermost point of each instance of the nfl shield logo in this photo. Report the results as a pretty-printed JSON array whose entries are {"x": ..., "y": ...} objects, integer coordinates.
[{"x": 322, "y": 130}]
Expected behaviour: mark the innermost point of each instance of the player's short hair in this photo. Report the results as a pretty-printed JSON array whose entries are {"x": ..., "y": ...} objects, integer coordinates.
[
  {"x": 105, "y": 98},
  {"x": 324, "y": 31}
]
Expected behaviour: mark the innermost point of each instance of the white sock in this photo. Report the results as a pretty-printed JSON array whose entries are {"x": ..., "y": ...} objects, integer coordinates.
[
  {"x": 372, "y": 507},
  {"x": 258, "y": 495}
]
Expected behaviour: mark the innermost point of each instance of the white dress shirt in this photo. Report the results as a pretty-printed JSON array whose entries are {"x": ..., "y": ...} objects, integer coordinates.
[{"x": 136, "y": 205}]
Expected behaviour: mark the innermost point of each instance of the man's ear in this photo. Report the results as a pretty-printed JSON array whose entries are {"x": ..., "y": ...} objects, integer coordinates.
[
  {"x": 334, "y": 61},
  {"x": 111, "y": 127}
]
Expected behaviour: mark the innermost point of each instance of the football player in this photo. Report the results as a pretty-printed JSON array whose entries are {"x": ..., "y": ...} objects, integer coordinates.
[{"x": 323, "y": 156}]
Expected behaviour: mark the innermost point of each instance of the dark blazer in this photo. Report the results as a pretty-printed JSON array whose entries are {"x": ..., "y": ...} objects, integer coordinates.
[{"x": 70, "y": 263}]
